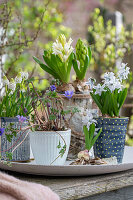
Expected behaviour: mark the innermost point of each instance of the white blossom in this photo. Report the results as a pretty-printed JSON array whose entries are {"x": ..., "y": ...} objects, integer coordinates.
[
  {"x": 18, "y": 78},
  {"x": 123, "y": 72},
  {"x": 12, "y": 85},
  {"x": 62, "y": 48},
  {"x": 99, "y": 89},
  {"x": 88, "y": 118},
  {"x": 24, "y": 75},
  {"x": 5, "y": 81},
  {"x": 91, "y": 83}
]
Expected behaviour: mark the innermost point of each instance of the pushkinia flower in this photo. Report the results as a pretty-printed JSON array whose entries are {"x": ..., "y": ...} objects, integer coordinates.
[
  {"x": 18, "y": 78},
  {"x": 88, "y": 118},
  {"x": 5, "y": 81},
  {"x": 2, "y": 131},
  {"x": 123, "y": 72},
  {"x": 62, "y": 48},
  {"x": 21, "y": 118},
  {"x": 90, "y": 83},
  {"x": 68, "y": 94},
  {"x": 99, "y": 89},
  {"x": 12, "y": 85},
  {"x": 52, "y": 88}
]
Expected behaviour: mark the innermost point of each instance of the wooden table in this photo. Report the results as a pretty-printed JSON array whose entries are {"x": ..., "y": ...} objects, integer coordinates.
[{"x": 116, "y": 186}]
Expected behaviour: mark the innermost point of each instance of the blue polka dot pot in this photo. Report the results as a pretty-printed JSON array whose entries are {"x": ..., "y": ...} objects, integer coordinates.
[{"x": 111, "y": 141}]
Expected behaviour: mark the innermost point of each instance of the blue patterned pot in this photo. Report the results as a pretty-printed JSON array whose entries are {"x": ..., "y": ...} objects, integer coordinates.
[
  {"x": 22, "y": 153},
  {"x": 112, "y": 138}
]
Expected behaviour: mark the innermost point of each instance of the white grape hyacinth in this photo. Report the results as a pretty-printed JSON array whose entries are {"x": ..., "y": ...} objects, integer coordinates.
[
  {"x": 5, "y": 81},
  {"x": 62, "y": 48},
  {"x": 12, "y": 85},
  {"x": 18, "y": 78},
  {"x": 24, "y": 75}
]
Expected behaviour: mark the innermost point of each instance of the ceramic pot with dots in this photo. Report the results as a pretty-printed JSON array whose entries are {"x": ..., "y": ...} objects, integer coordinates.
[{"x": 111, "y": 141}]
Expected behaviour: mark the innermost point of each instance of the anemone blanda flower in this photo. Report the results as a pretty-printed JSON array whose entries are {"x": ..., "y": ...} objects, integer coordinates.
[
  {"x": 68, "y": 94},
  {"x": 21, "y": 118},
  {"x": 52, "y": 88},
  {"x": 2, "y": 131}
]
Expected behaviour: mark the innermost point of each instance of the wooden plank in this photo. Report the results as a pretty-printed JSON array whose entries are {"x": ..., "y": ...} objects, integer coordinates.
[
  {"x": 69, "y": 188},
  {"x": 121, "y": 194}
]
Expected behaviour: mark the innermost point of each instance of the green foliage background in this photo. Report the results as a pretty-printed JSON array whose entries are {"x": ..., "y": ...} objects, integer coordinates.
[{"x": 29, "y": 12}]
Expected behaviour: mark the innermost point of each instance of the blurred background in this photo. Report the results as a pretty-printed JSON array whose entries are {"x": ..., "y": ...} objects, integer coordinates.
[{"x": 27, "y": 27}]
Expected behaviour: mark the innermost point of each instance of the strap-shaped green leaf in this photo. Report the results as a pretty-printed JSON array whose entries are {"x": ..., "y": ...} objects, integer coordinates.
[
  {"x": 123, "y": 96},
  {"x": 96, "y": 137},
  {"x": 96, "y": 99},
  {"x": 45, "y": 68},
  {"x": 86, "y": 132}
]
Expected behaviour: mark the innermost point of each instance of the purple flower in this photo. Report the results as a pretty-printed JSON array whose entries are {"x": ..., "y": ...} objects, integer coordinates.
[
  {"x": 25, "y": 110},
  {"x": 68, "y": 94},
  {"x": 52, "y": 88},
  {"x": 21, "y": 118},
  {"x": 48, "y": 105},
  {"x": 2, "y": 131}
]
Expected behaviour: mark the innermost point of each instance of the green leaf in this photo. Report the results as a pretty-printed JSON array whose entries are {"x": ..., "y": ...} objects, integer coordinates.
[
  {"x": 96, "y": 98},
  {"x": 87, "y": 141},
  {"x": 96, "y": 137}
]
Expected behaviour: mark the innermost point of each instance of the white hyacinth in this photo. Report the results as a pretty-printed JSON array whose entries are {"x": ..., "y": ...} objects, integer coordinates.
[
  {"x": 5, "y": 81},
  {"x": 12, "y": 85},
  {"x": 62, "y": 48},
  {"x": 18, "y": 78}
]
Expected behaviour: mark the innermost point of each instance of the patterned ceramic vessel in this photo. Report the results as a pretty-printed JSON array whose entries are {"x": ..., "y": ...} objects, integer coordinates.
[
  {"x": 22, "y": 152},
  {"x": 112, "y": 138},
  {"x": 44, "y": 146}
]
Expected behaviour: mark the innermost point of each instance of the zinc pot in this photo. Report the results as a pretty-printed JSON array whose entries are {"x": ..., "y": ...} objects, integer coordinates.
[
  {"x": 22, "y": 152},
  {"x": 44, "y": 146},
  {"x": 111, "y": 141}
]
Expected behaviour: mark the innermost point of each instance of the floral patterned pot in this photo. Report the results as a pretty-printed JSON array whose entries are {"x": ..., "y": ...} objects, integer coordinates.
[
  {"x": 44, "y": 146},
  {"x": 22, "y": 152},
  {"x": 112, "y": 138}
]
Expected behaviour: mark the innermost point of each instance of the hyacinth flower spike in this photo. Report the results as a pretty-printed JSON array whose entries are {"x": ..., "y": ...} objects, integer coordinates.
[{"x": 81, "y": 60}]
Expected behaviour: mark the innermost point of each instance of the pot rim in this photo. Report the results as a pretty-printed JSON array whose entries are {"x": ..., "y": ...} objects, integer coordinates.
[
  {"x": 53, "y": 131},
  {"x": 111, "y": 117}
]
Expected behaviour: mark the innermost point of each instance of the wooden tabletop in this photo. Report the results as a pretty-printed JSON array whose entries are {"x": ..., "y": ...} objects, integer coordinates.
[{"x": 69, "y": 188}]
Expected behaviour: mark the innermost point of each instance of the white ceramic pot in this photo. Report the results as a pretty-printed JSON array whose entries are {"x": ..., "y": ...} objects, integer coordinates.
[{"x": 44, "y": 146}]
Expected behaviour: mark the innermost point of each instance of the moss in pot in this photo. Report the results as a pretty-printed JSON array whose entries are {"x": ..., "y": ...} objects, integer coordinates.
[{"x": 109, "y": 97}]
